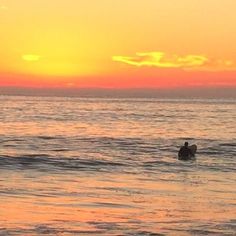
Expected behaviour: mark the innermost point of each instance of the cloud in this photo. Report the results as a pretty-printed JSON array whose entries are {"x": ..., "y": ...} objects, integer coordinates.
[
  {"x": 31, "y": 57},
  {"x": 186, "y": 62}
]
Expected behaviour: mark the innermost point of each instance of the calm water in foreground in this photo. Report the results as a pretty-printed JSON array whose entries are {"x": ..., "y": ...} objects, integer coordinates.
[{"x": 73, "y": 166}]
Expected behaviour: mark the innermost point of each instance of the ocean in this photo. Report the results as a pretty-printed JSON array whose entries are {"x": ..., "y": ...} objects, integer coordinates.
[{"x": 103, "y": 166}]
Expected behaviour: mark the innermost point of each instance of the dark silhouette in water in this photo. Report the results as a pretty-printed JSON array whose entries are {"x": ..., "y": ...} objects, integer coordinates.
[{"x": 187, "y": 152}]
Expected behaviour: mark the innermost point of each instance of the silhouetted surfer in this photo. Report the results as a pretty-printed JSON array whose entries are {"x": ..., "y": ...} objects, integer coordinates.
[{"x": 187, "y": 152}]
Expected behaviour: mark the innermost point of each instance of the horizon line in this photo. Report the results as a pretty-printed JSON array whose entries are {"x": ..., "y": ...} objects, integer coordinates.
[{"x": 180, "y": 92}]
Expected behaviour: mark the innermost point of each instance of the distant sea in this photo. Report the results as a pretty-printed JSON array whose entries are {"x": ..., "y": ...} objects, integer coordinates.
[{"x": 108, "y": 166}]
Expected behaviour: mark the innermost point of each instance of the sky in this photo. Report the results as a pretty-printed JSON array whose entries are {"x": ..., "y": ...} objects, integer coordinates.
[{"x": 118, "y": 43}]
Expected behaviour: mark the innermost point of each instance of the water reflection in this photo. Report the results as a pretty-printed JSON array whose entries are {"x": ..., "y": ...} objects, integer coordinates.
[{"x": 109, "y": 167}]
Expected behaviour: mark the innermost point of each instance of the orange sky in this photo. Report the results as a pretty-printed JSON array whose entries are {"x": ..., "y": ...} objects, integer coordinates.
[{"x": 111, "y": 43}]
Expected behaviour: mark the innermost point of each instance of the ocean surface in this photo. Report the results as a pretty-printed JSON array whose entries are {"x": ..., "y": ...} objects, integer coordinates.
[{"x": 93, "y": 166}]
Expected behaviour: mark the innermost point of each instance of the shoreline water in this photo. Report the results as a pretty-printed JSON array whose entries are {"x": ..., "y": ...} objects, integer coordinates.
[{"x": 109, "y": 167}]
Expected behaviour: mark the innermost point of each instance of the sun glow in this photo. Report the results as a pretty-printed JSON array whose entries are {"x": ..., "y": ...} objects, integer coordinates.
[{"x": 116, "y": 44}]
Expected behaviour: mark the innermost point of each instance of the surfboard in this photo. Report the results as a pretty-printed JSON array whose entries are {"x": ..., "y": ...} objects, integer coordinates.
[{"x": 193, "y": 148}]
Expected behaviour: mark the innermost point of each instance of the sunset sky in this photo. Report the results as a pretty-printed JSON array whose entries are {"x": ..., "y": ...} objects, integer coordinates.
[{"x": 117, "y": 43}]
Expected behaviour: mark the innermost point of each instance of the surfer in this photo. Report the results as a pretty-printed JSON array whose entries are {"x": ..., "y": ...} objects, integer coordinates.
[{"x": 186, "y": 152}]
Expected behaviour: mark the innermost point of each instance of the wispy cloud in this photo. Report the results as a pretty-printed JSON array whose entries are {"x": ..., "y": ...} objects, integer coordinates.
[
  {"x": 31, "y": 57},
  {"x": 186, "y": 62}
]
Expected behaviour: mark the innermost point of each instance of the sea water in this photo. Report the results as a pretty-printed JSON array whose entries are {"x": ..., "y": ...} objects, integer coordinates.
[{"x": 78, "y": 166}]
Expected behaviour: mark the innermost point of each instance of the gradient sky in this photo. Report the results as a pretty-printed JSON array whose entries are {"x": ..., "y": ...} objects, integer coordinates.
[{"x": 117, "y": 43}]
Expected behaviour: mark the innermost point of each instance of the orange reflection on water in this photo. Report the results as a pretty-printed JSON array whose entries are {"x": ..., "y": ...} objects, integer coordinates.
[{"x": 79, "y": 202}]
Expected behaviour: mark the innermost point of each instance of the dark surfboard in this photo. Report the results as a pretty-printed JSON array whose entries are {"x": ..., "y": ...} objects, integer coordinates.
[{"x": 193, "y": 148}]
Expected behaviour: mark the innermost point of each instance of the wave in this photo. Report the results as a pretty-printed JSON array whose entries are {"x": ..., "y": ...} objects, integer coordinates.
[
  {"x": 104, "y": 153},
  {"x": 44, "y": 162}
]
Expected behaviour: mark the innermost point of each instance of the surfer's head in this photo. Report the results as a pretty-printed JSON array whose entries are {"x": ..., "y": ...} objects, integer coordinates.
[{"x": 186, "y": 144}]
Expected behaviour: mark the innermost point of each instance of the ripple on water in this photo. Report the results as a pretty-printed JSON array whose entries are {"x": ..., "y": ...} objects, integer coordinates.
[{"x": 109, "y": 167}]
